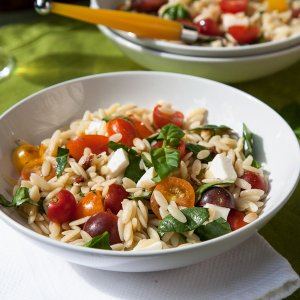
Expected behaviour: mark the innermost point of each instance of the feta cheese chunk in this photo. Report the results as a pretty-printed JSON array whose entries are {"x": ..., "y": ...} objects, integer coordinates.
[
  {"x": 146, "y": 180},
  {"x": 222, "y": 168},
  {"x": 118, "y": 162},
  {"x": 229, "y": 20},
  {"x": 216, "y": 212},
  {"x": 96, "y": 127}
]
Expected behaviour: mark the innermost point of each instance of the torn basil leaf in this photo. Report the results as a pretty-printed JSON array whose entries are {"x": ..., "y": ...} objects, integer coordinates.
[
  {"x": 107, "y": 119},
  {"x": 213, "y": 229},
  {"x": 175, "y": 12},
  {"x": 61, "y": 160},
  {"x": 215, "y": 129},
  {"x": 147, "y": 162},
  {"x": 99, "y": 242},
  {"x": 203, "y": 187},
  {"x": 195, "y": 216},
  {"x": 196, "y": 149},
  {"x": 248, "y": 140},
  {"x": 152, "y": 137},
  {"x": 171, "y": 134},
  {"x": 165, "y": 161},
  {"x": 21, "y": 196}
]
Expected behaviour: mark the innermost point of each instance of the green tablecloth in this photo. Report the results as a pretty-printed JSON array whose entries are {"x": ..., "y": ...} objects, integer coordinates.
[{"x": 53, "y": 49}]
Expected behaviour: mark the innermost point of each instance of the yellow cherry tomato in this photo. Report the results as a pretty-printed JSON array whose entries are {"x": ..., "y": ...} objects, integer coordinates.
[
  {"x": 279, "y": 5},
  {"x": 24, "y": 154}
]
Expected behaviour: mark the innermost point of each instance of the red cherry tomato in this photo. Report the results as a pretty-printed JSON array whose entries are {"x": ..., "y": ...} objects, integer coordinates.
[
  {"x": 256, "y": 181},
  {"x": 97, "y": 144},
  {"x": 62, "y": 208},
  {"x": 115, "y": 195},
  {"x": 89, "y": 205},
  {"x": 147, "y": 5},
  {"x": 124, "y": 127},
  {"x": 236, "y": 219},
  {"x": 208, "y": 27},
  {"x": 244, "y": 34},
  {"x": 233, "y": 6},
  {"x": 142, "y": 130},
  {"x": 101, "y": 222},
  {"x": 180, "y": 147},
  {"x": 160, "y": 119}
]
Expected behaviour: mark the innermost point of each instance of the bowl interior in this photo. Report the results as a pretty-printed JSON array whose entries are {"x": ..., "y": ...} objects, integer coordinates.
[
  {"x": 55, "y": 107},
  {"x": 195, "y": 50}
]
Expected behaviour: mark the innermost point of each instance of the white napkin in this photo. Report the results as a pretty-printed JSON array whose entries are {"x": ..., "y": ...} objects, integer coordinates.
[{"x": 252, "y": 270}]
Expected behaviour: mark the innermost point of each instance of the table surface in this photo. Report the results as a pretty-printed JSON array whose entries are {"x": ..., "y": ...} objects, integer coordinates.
[{"x": 51, "y": 49}]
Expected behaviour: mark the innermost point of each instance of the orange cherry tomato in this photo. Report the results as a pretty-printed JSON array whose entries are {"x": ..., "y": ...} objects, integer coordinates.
[
  {"x": 180, "y": 147},
  {"x": 244, "y": 34},
  {"x": 97, "y": 144},
  {"x": 124, "y": 127},
  {"x": 160, "y": 118},
  {"x": 141, "y": 129},
  {"x": 90, "y": 204},
  {"x": 35, "y": 166},
  {"x": 176, "y": 189},
  {"x": 236, "y": 219},
  {"x": 24, "y": 154}
]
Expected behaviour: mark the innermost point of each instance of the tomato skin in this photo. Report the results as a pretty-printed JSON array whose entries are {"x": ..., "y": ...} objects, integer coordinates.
[
  {"x": 35, "y": 166},
  {"x": 236, "y": 219},
  {"x": 233, "y": 6},
  {"x": 147, "y": 5},
  {"x": 208, "y": 27},
  {"x": 256, "y": 181},
  {"x": 115, "y": 195},
  {"x": 24, "y": 154},
  {"x": 180, "y": 147},
  {"x": 101, "y": 222},
  {"x": 160, "y": 119},
  {"x": 176, "y": 189},
  {"x": 89, "y": 205},
  {"x": 97, "y": 144},
  {"x": 126, "y": 128},
  {"x": 244, "y": 34},
  {"x": 62, "y": 208},
  {"x": 142, "y": 130}
]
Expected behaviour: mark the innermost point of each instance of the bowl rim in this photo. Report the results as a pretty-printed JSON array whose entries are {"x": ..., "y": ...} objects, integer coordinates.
[
  {"x": 139, "y": 48},
  {"x": 252, "y": 226}
]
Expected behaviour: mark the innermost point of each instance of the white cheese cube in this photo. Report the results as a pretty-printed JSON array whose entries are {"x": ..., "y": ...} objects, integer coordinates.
[
  {"x": 96, "y": 127},
  {"x": 216, "y": 212},
  {"x": 146, "y": 179},
  {"x": 222, "y": 168},
  {"x": 118, "y": 162},
  {"x": 229, "y": 20}
]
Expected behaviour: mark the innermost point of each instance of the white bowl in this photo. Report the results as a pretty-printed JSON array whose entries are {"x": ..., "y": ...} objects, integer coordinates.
[
  {"x": 56, "y": 106},
  {"x": 227, "y": 70},
  {"x": 195, "y": 50}
]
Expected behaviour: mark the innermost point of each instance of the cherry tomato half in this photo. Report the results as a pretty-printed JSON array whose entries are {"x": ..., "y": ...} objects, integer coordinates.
[
  {"x": 62, "y": 208},
  {"x": 147, "y": 5},
  {"x": 90, "y": 204},
  {"x": 236, "y": 219},
  {"x": 244, "y": 34},
  {"x": 97, "y": 144},
  {"x": 124, "y": 127},
  {"x": 160, "y": 118},
  {"x": 142, "y": 130},
  {"x": 233, "y": 6},
  {"x": 208, "y": 27},
  {"x": 256, "y": 181},
  {"x": 180, "y": 147},
  {"x": 35, "y": 166},
  {"x": 176, "y": 189},
  {"x": 115, "y": 195}
]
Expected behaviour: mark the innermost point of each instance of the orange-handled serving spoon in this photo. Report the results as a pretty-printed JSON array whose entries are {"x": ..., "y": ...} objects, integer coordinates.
[{"x": 142, "y": 25}]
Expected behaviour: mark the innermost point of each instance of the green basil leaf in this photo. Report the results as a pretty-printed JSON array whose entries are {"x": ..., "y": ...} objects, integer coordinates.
[
  {"x": 152, "y": 137},
  {"x": 213, "y": 229},
  {"x": 133, "y": 170},
  {"x": 175, "y": 12},
  {"x": 21, "y": 196},
  {"x": 171, "y": 134},
  {"x": 203, "y": 187},
  {"x": 165, "y": 161},
  {"x": 195, "y": 216},
  {"x": 256, "y": 164},
  {"x": 215, "y": 129},
  {"x": 61, "y": 160},
  {"x": 99, "y": 242},
  {"x": 107, "y": 119},
  {"x": 147, "y": 162},
  {"x": 145, "y": 196},
  {"x": 196, "y": 149},
  {"x": 248, "y": 140}
]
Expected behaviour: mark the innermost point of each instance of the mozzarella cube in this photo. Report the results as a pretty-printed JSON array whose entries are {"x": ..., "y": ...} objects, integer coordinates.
[
  {"x": 229, "y": 20},
  {"x": 96, "y": 127},
  {"x": 118, "y": 162},
  {"x": 216, "y": 212},
  {"x": 222, "y": 168},
  {"x": 146, "y": 179}
]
